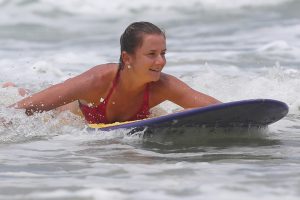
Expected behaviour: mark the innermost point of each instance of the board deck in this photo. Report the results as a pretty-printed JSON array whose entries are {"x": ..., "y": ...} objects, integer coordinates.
[{"x": 246, "y": 113}]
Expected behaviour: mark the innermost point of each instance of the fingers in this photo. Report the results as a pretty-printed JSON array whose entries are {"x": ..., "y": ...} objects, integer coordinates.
[
  {"x": 8, "y": 84},
  {"x": 23, "y": 92}
]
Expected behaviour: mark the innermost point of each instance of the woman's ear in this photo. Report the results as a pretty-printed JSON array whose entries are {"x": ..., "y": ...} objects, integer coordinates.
[{"x": 126, "y": 58}]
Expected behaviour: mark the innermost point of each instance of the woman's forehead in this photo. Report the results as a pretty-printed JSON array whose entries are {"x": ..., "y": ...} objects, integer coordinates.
[{"x": 155, "y": 41}]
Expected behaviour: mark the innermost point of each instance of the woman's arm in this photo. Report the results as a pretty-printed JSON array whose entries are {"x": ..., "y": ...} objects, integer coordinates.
[
  {"x": 59, "y": 94},
  {"x": 181, "y": 94}
]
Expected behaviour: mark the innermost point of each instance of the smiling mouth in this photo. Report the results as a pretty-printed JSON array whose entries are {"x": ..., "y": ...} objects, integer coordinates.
[{"x": 153, "y": 70}]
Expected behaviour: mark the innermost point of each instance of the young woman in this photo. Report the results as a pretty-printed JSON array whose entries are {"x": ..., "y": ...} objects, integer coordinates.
[{"x": 125, "y": 91}]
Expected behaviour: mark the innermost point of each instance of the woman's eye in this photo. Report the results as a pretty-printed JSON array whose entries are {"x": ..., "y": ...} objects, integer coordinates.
[{"x": 154, "y": 54}]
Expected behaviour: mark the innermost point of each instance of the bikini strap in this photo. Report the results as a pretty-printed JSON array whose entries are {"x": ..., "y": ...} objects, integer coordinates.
[
  {"x": 146, "y": 96},
  {"x": 115, "y": 81}
]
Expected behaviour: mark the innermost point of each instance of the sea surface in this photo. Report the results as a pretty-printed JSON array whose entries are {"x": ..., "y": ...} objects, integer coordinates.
[{"x": 230, "y": 49}]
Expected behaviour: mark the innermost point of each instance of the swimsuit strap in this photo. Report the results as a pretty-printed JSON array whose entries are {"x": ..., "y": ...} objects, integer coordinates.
[
  {"x": 143, "y": 112},
  {"x": 146, "y": 96},
  {"x": 115, "y": 81}
]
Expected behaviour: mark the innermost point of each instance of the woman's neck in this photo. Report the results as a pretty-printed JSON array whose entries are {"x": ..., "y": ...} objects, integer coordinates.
[{"x": 129, "y": 82}]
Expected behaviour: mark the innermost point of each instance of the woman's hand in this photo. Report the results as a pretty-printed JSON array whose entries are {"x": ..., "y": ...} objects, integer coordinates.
[{"x": 23, "y": 92}]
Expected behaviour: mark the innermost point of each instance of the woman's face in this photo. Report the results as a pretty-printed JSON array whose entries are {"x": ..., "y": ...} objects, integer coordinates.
[{"x": 149, "y": 59}]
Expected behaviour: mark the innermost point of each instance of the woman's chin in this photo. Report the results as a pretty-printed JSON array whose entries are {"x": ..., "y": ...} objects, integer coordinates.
[{"x": 155, "y": 77}]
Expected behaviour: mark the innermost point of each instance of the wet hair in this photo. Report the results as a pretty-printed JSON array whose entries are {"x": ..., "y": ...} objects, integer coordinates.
[{"x": 132, "y": 38}]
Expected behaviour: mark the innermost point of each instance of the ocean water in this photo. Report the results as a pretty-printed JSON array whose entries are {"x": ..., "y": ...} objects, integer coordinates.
[{"x": 232, "y": 50}]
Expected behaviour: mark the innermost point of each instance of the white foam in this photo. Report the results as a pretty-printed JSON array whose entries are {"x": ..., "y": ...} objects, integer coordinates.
[
  {"x": 94, "y": 193},
  {"x": 21, "y": 174},
  {"x": 279, "y": 48},
  {"x": 9, "y": 96},
  {"x": 273, "y": 46},
  {"x": 37, "y": 10},
  {"x": 277, "y": 82},
  {"x": 18, "y": 127},
  {"x": 93, "y": 7},
  {"x": 237, "y": 4},
  {"x": 42, "y": 67},
  {"x": 47, "y": 67}
]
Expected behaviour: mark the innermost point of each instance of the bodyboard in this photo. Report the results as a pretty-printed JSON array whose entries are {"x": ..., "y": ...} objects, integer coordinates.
[{"x": 246, "y": 113}]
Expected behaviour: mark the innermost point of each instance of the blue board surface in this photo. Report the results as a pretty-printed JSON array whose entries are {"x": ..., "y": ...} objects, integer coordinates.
[{"x": 246, "y": 113}]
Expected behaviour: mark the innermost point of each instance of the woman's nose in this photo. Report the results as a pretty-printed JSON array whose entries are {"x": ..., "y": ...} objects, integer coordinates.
[{"x": 160, "y": 60}]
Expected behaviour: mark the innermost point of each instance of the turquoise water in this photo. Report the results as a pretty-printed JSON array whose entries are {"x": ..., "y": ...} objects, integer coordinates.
[{"x": 232, "y": 50}]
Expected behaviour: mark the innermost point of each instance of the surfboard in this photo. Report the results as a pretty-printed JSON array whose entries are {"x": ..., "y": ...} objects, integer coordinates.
[{"x": 245, "y": 113}]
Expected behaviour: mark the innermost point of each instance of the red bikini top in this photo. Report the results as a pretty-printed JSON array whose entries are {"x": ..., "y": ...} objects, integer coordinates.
[{"x": 97, "y": 114}]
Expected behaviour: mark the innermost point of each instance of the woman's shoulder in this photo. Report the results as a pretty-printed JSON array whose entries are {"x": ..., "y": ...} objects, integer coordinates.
[
  {"x": 163, "y": 88},
  {"x": 102, "y": 75},
  {"x": 104, "y": 70},
  {"x": 94, "y": 82},
  {"x": 164, "y": 85},
  {"x": 165, "y": 81},
  {"x": 168, "y": 84}
]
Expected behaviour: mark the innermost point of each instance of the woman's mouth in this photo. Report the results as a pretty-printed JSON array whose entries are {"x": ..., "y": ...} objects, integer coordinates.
[{"x": 154, "y": 70}]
